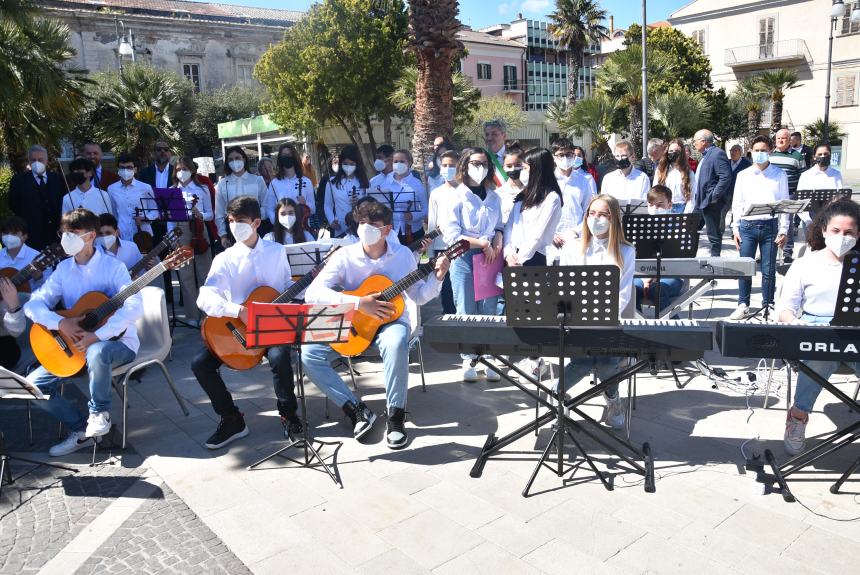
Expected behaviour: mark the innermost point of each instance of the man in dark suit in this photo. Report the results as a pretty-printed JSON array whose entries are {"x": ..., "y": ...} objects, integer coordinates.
[
  {"x": 713, "y": 185},
  {"x": 796, "y": 144},
  {"x": 36, "y": 196},
  {"x": 159, "y": 174},
  {"x": 103, "y": 177},
  {"x": 738, "y": 163}
]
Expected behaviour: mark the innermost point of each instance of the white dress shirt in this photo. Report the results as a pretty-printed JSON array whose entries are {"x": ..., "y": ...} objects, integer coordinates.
[
  {"x": 239, "y": 270},
  {"x": 13, "y": 323},
  {"x": 530, "y": 231},
  {"x": 350, "y": 266},
  {"x": 507, "y": 193},
  {"x": 441, "y": 202},
  {"x": 233, "y": 186},
  {"x": 584, "y": 174},
  {"x": 633, "y": 186},
  {"x": 577, "y": 195},
  {"x": 127, "y": 200},
  {"x": 127, "y": 252},
  {"x": 161, "y": 176},
  {"x": 71, "y": 280},
  {"x": 598, "y": 254},
  {"x": 817, "y": 179},
  {"x": 23, "y": 258},
  {"x": 675, "y": 182},
  {"x": 811, "y": 285},
  {"x": 95, "y": 200},
  {"x": 755, "y": 186},
  {"x": 396, "y": 192},
  {"x": 472, "y": 217},
  {"x": 288, "y": 188},
  {"x": 340, "y": 199},
  {"x": 203, "y": 205}
]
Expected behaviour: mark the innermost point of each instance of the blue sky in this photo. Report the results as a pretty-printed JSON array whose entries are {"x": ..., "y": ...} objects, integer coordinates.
[{"x": 480, "y": 13}]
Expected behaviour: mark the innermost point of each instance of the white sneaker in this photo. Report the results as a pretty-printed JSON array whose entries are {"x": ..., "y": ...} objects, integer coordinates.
[
  {"x": 98, "y": 424},
  {"x": 493, "y": 375},
  {"x": 76, "y": 440},
  {"x": 537, "y": 368},
  {"x": 742, "y": 312},
  {"x": 470, "y": 374},
  {"x": 613, "y": 413},
  {"x": 794, "y": 439}
]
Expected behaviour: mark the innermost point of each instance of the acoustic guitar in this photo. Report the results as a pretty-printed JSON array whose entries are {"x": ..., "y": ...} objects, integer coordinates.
[
  {"x": 225, "y": 336},
  {"x": 45, "y": 259},
  {"x": 416, "y": 245},
  {"x": 169, "y": 242},
  {"x": 364, "y": 327},
  {"x": 142, "y": 238},
  {"x": 57, "y": 353}
]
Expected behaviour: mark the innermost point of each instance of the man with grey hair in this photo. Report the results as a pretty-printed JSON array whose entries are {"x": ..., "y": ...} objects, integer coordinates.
[
  {"x": 655, "y": 150},
  {"x": 738, "y": 163},
  {"x": 792, "y": 163},
  {"x": 495, "y": 135},
  {"x": 36, "y": 195},
  {"x": 713, "y": 185}
]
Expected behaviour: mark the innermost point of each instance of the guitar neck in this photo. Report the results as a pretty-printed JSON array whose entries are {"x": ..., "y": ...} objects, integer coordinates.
[
  {"x": 431, "y": 236},
  {"x": 116, "y": 302},
  {"x": 408, "y": 281},
  {"x": 153, "y": 253},
  {"x": 23, "y": 275},
  {"x": 298, "y": 287}
]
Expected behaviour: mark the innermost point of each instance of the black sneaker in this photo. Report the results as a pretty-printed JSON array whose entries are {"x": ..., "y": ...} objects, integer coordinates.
[
  {"x": 290, "y": 421},
  {"x": 395, "y": 434},
  {"x": 360, "y": 416},
  {"x": 787, "y": 260},
  {"x": 230, "y": 428}
]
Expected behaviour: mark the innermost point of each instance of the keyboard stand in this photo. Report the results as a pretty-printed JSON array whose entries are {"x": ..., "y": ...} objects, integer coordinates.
[{"x": 830, "y": 444}]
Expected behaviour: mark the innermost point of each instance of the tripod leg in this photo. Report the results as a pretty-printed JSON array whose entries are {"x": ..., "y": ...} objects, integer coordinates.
[
  {"x": 541, "y": 461},
  {"x": 777, "y": 475},
  {"x": 590, "y": 462},
  {"x": 318, "y": 457},
  {"x": 854, "y": 466}
]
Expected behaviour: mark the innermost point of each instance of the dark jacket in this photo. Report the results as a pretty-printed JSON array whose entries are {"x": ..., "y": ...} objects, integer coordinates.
[
  {"x": 147, "y": 175},
  {"x": 40, "y": 209},
  {"x": 108, "y": 178},
  {"x": 713, "y": 178}
]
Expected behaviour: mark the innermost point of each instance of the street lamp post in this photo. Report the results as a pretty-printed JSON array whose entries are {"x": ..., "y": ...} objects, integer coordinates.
[
  {"x": 644, "y": 83},
  {"x": 836, "y": 10}
]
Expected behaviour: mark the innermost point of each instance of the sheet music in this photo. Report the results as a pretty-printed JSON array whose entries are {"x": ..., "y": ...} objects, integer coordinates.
[
  {"x": 305, "y": 256},
  {"x": 13, "y": 386}
]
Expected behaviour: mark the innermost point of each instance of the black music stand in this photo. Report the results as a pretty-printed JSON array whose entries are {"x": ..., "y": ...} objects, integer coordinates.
[
  {"x": 13, "y": 386},
  {"x": 400, "y": 201},
  {"x": 847, "y": 313},
  {"x": 565, "y": 298},
  {"x": 818, "y": 198},
  {"x": 662, "y": 236},
  {"x": 633, "y": 206},
  {"x": 272, "y": 324},
  {"x": 304, "y": 257}
]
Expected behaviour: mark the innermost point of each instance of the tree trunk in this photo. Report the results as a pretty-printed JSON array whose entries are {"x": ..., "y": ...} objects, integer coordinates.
[
  {"x": 386, "y": 130},
  {"x": 752, "y": 127},
  {"x": 775, "y": 116},
  {"x": 635, "y": 112},
  {"x": 352, "y": 130},
  {"x": 434, "y": 103},
  {"x": 368, "y": 126},
  {"x": 572, "y": 75}
]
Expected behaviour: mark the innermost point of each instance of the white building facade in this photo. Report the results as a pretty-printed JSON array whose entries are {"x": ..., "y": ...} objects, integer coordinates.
[{"x": 745, "y": 37}]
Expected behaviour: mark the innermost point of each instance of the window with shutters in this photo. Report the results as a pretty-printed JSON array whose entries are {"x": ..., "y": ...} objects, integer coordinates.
[
  {"x": 245, "y": 73},
  {"x": 510, "y": 77},
  {"x": 849, "y": 27},
  {"x": 846, "y": 90},
  {"x": 192, "y": 73},
  {"x": 698, "y": 37},
  {"x": 766, "y": 36},
  {"x": 485, "y": 72}
]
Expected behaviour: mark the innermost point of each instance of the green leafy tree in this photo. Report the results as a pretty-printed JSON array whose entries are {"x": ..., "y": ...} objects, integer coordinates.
[
  {"x": 212, "y": 108},
  {"x": 492, "y": 108},
  {"x": 775, "y": 83},
  {"x": 466, "y": 95},
  {"x": 595, "y": 116},
  {"x": 725, "y": 118},
  {"x": 813, "y": 134},
  {"x": 337, "y": 65},
  {"x": 749, "y": 97},
  {"x": 678, "y": 113},
  {"x": 40, "y": 93},
  {"x": 692, "y": 67},
  {"x": 577, "y": 24}
]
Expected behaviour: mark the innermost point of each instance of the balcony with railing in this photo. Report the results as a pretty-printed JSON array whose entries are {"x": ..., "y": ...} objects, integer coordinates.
[{"x": 768, "y": 54}]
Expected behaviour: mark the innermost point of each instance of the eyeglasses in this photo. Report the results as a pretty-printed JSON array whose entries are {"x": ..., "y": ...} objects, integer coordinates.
[
  {"x": 161, "y": 149},
  {"x": 479, "y": 164}
]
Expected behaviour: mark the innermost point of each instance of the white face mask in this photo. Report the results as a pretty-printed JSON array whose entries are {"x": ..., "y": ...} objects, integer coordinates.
[
  {"x": 564, "y": 163},
  {"x": 478, "y": 173},
  {"x": 11, "y": 241},
  {"x": 379, "y": 165},
  {"x": 400, "y": 168},
  {"x": 241, "y": 231},
  {"x": 334, "y": 168},
  {"x": 72, "y": 243},
  {"x": 598, "y": 226},
  {"x": 183, "y": 175},
  {"x": 237, "y": 165},
  {"x": 524, "y": 177},
  {"x": 654, "y": 210},
  {"x": 126, "y": 174},
  {"x": 577, "y": 162},
  {"x": 449, "y": 173},
  {"x": 106, "y": 242},
  {"x": 348, "y": 169},
  {"x": 287, "y": 220},
  {"x": 38, "y": 168},
  {"x": 369, "y": 234},
  {"x": 760, "y": 157},
  {"x": 839, "y": 244}
]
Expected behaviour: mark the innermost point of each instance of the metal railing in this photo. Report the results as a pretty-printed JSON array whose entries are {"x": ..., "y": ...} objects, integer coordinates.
[{"x": 783, "y": 50}]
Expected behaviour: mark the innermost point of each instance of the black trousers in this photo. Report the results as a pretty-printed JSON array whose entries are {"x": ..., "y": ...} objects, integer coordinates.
[
  {"x": 10, "y": 353},
  {"x": 205, "y": 367},
  {"x": 711, "y": 216}
]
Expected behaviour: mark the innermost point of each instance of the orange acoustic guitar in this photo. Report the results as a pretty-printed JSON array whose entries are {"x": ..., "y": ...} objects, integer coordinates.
[
  {"x": 43, "y": 260},
  {"x": 170, "y": 242},
  {"x": 364, "y": 327},
  {"x": 57, "y": 353},
  {"x": 225, "y": 336}
]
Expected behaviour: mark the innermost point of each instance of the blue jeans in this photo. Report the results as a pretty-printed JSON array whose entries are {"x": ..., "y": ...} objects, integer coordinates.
[
  {"x": 807, "y": 390},
  {"x": 102, "y": 357},
  {"x": 605, "y": 366},
  {"x": 669, "y": 290},
  {"x": 392, "y": 342},
  {"x": 463, "y": 286},
  {"x": 758, "y": 234},
  {"x": 678, "y": 208}
]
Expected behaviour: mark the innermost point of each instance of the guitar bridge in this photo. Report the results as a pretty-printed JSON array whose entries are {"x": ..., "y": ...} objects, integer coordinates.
[{"x": 62, "y": 343}]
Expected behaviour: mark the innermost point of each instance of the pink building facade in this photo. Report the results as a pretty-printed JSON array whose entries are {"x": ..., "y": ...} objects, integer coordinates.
[{"x": 495, "y": 65}]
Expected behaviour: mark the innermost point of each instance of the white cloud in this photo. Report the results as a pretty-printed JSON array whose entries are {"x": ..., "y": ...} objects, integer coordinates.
[{"x": 536, "y": 6}]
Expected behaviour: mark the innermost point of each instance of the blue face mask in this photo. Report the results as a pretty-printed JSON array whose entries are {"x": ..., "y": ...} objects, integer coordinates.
[
  {"x": 577, "y": 162},
  {"x": 760, "y": 157}
]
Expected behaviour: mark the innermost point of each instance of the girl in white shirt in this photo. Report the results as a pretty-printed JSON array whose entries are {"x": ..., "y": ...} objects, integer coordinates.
[
  {"x": 602, "y": 243},
  {"x": 674, "y": 172},
  {"x": 809, "y": 295},
  {"x": 237, "y": 182},
  {"x": 289, "y": 228},
  {"x": 346, "y": 187},
  {"x": 290, "y": 182},
  {"x": 512, "y": 163},
  {"x": 536, "y": 212}
]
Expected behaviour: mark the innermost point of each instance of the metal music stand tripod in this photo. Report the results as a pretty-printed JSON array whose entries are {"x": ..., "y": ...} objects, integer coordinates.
[
  {"x": 13, "y": 386},
  {"x": 272, "y": 324},
  {"x": 662, "y": 236}
]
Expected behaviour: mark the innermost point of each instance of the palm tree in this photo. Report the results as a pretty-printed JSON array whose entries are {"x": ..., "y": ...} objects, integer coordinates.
[
  {"x": 750, "y": 97},
  {"x": 593, "y": 115},
  {"x": 466, "y": 95},
  {"x": 776, "y": 83},
  {"x": 577, "y": 24},
  {"x": 433, "y": 27},
  {"x": 813, "y": 133},
  {"x": 621, "y": 78},
  {"x": 679, "y": 111}
]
